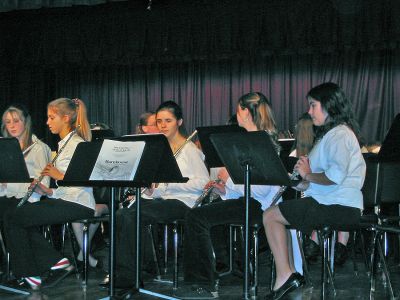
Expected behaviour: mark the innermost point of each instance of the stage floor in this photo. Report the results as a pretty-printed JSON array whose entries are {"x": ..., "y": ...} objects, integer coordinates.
[{"x": 348, "y": 285}]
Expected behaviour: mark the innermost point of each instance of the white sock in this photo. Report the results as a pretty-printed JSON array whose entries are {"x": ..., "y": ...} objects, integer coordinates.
[
  {"x": 62, "y": 264},
  {"x": 33, "y": 281}
]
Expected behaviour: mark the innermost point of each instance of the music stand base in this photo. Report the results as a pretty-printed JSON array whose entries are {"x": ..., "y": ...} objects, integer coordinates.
[
  {"x": 13, "y": 290},
  {"x": 142, "y": 291}
]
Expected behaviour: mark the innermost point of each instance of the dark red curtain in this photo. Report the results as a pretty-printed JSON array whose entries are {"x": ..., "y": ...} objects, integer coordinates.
[{"x": 122, "y": 59}]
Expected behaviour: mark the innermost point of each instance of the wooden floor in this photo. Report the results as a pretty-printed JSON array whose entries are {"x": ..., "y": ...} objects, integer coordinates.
[{"x": 348, "y": 285}]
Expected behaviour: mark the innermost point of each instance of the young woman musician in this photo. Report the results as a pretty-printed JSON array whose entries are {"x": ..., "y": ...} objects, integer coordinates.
[
  {"x": 31, "y": 255},
  {"x": 147, "y": 123},
  {"x": 333, "y": 174},
  {"x": 253, "y": 113},
  {"x": 167, "y": 202},
  {"x": 16, "y": 122}
]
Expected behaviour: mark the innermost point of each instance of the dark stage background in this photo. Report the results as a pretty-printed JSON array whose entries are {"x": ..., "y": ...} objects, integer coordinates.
[{"x": 122, "y": 58}]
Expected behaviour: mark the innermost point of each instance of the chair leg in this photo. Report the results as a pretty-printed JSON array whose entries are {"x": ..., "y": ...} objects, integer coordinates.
[
  {"x": 254, "y": 286},
  {"x": 353, "y": 236},
  {"x": 272, "y": 281},
  {"x": 303, "y": 258},
  {"x": 326, "y": 274},
  {"x": 373, "y": 264},
  {"x": 74, "y": 259},
  {"x": 385, "y": 268},
  {"x": 6, "y": 256},
  {"x": 364, "y": 254},
  {"x": 153, "y": 249},
  {"x": 175, "y": 276},
  {"x": 85, "y": 252},
  {"x": 230, "y": 270},
  {"x": 165, "y": 249}
]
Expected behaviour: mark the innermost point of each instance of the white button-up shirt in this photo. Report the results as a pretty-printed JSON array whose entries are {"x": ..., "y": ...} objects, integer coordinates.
[{"x": 78, "y": 194}]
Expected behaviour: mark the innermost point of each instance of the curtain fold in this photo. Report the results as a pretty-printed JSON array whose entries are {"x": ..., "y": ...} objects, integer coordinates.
[{"x": 208, "y": 91}]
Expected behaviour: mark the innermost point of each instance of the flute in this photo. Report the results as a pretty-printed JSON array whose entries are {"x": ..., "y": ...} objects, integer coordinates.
[
  {"x": 205, "y": 194},
  {"x": 31, "y": 188},
  {"x": 282, "y": 189}
]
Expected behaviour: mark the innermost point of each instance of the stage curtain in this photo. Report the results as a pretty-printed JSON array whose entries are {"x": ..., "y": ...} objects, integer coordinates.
[{"x": 123, "y": 59}]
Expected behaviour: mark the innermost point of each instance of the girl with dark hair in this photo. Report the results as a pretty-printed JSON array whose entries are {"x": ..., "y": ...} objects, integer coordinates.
[
  {"x": 31, "y": 254},
  {"x": 16, "y": 122},
  {"x": 333, "y": 174},
  {"x": 253, "y": 113},
  {"x": 165, "y": 202}
]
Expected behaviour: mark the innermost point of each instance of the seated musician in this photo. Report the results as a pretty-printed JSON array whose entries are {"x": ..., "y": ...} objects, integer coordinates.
[
  {"x": 166, "y": 201},
  {"x": 333, "y": 175},
  {"x": 16, "y": 122},
  {"x": 32, "y": 257},
  {"x": 253, "y": 113},
  {"x": 147, "y": 123}
]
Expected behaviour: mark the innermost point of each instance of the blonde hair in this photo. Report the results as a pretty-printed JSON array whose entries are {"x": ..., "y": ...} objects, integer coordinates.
[
  {"x": 76, "y": 110},
  {"x": 24, "y": 116},
  {"x": 304, "y": 134},
  {"x": 260, "y": 109}
]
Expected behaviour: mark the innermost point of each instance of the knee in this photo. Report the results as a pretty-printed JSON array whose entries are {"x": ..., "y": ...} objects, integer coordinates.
[
  {"x": 269, "y": 216},
  {"x": 195, "y": 218}
]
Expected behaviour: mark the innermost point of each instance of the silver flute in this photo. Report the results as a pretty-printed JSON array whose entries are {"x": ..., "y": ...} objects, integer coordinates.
[
  {"x": 205, "y": 194},
  {"x": 283, "y": 188},
  {"x": 31, "y": 188}
]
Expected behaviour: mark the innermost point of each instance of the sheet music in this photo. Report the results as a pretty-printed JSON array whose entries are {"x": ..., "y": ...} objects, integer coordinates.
[{"x": 117, "y": 160}]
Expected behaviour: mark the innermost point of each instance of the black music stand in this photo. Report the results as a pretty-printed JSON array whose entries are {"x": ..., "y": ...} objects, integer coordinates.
[
  {"x": 13, "y": 170},
  {"x": 204, "y": 133},
  {"x": 250, "y": 158},
  {"x": 157, "y": 164},
  {"x": 390, "y": 149}
]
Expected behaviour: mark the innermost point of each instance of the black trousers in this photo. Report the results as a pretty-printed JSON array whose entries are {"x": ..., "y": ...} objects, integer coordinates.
[
  {"x": 152, "y": 212},
  {"x": 199, "y": 259},
  {"x": 30, "y": 253},
  {"x": 6, "y": 203}
]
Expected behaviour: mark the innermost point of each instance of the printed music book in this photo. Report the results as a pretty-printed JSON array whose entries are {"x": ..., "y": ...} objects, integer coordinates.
[{"x": 117, "y": 160}]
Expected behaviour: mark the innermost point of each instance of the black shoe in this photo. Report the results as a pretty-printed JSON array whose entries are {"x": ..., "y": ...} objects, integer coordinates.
[
  {"x": 312, "y": 250},
  {"x": 56, "y": 276},
  {"x": 293, "y": 282},
  {"x": 340, "y": 254},
  {"x": 119, "y": 283}
]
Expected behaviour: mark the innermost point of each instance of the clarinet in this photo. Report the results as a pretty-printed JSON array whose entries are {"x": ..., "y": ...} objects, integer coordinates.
[
  {"x": 31, "y": 189},
  {"x": 282, "y": 189}
]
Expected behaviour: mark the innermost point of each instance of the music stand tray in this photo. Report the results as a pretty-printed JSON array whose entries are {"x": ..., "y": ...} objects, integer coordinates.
[
  {"x": 250, "y": 158},
  {"x": 13, "y": 170},
  {"x": 157, "y": 164}
]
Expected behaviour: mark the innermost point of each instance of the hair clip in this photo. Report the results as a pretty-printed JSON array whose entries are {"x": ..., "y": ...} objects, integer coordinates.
[{"x": 76, "y": 101}]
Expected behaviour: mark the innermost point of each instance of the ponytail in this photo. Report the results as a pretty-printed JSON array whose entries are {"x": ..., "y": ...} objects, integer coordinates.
[{"x": 76, "y": 110}]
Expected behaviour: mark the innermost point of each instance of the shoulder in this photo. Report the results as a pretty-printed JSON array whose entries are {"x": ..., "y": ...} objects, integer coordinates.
[
  {"x": 340, "y": 132},
  {"x": 191, "y": 149},
  {"x": 39, "y": 145}
]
